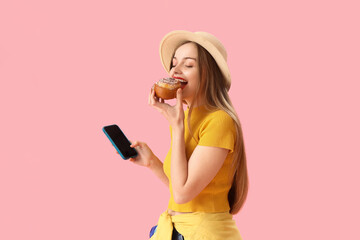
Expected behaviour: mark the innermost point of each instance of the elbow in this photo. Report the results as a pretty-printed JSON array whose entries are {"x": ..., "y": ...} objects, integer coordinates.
[{"x": 181, "y": 197}]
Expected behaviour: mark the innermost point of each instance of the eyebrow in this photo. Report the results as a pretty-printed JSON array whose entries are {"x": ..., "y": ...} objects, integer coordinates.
[{"x": 186, "y": 58}]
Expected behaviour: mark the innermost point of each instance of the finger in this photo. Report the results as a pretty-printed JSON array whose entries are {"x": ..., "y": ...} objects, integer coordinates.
[
  {"x": 135, "y": 144},
  {"x": 152, "y": 98},
  {"x": 153, "y": 92},
  {"x": 157, "y": 103},
  {"x": 179, "y": 98}
]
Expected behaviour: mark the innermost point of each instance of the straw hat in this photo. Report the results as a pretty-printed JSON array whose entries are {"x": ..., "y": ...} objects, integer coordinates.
[{"x": 174, "y": 39}]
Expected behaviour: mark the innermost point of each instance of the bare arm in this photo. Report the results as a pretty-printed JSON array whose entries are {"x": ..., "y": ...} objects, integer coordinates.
[
  {"x": 189, "y": 178},
  {"x": 157, "y": 168}
]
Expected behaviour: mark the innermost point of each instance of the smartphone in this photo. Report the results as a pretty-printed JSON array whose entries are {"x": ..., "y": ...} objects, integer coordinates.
[{"x": 119, "y": 141}]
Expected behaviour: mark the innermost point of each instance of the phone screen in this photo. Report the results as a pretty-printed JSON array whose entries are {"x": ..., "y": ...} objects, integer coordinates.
[{"x": 120, "y": 142}]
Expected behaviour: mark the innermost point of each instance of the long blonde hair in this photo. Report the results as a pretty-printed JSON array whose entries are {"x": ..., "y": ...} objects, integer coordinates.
[{"x": 214, "y": 88}]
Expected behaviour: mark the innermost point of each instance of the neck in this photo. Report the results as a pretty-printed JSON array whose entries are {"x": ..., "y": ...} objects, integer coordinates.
[{"x": 194, "y": 104}]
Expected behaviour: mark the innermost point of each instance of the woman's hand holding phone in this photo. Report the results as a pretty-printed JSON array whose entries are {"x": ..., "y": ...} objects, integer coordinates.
[
  {"x": 146, "y": 158},
  {"x": 145, "y": 155}
]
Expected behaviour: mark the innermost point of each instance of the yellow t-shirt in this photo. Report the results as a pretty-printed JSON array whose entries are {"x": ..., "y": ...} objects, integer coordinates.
[{"x": 215, "y": 129}]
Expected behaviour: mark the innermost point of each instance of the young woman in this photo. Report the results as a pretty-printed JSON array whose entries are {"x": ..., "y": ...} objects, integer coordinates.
[{"x": 205, "y": 168}]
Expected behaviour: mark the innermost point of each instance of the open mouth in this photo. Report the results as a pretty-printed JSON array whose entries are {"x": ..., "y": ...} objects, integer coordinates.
[{"x": 182, "y": 81}]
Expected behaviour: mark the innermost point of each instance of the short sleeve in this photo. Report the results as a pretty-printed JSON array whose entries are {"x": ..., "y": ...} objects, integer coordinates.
[{"x": 218, "y": 130}]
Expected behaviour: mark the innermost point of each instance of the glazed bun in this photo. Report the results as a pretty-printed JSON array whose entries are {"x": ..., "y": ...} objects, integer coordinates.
[{"x": 166, "y": 88}]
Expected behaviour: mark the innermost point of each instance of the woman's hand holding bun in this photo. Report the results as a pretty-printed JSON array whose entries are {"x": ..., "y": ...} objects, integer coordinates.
[{"x": 174, "y": 114}]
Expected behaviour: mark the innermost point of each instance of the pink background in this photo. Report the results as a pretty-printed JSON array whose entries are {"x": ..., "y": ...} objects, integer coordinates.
[{"x": 67, "y": 68}]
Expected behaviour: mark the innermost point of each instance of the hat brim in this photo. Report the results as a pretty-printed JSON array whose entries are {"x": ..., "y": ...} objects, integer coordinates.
[{"x": 174, "y": 39}]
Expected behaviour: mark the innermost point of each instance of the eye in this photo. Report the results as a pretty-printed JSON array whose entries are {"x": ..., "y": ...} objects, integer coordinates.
[{"x": 188, "y": 66}]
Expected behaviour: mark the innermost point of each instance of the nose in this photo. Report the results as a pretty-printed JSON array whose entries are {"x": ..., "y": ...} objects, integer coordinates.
[{"x": 175, "y": 70}]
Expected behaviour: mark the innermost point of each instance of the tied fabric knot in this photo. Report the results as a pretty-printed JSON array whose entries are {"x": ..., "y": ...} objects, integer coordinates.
[
  {"x": 164, "y": 228},
  {"x": 197, "y": 226}
]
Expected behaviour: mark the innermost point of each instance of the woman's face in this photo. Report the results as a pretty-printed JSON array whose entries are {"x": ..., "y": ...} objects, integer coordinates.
[{"x": 186, "y": 67}]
